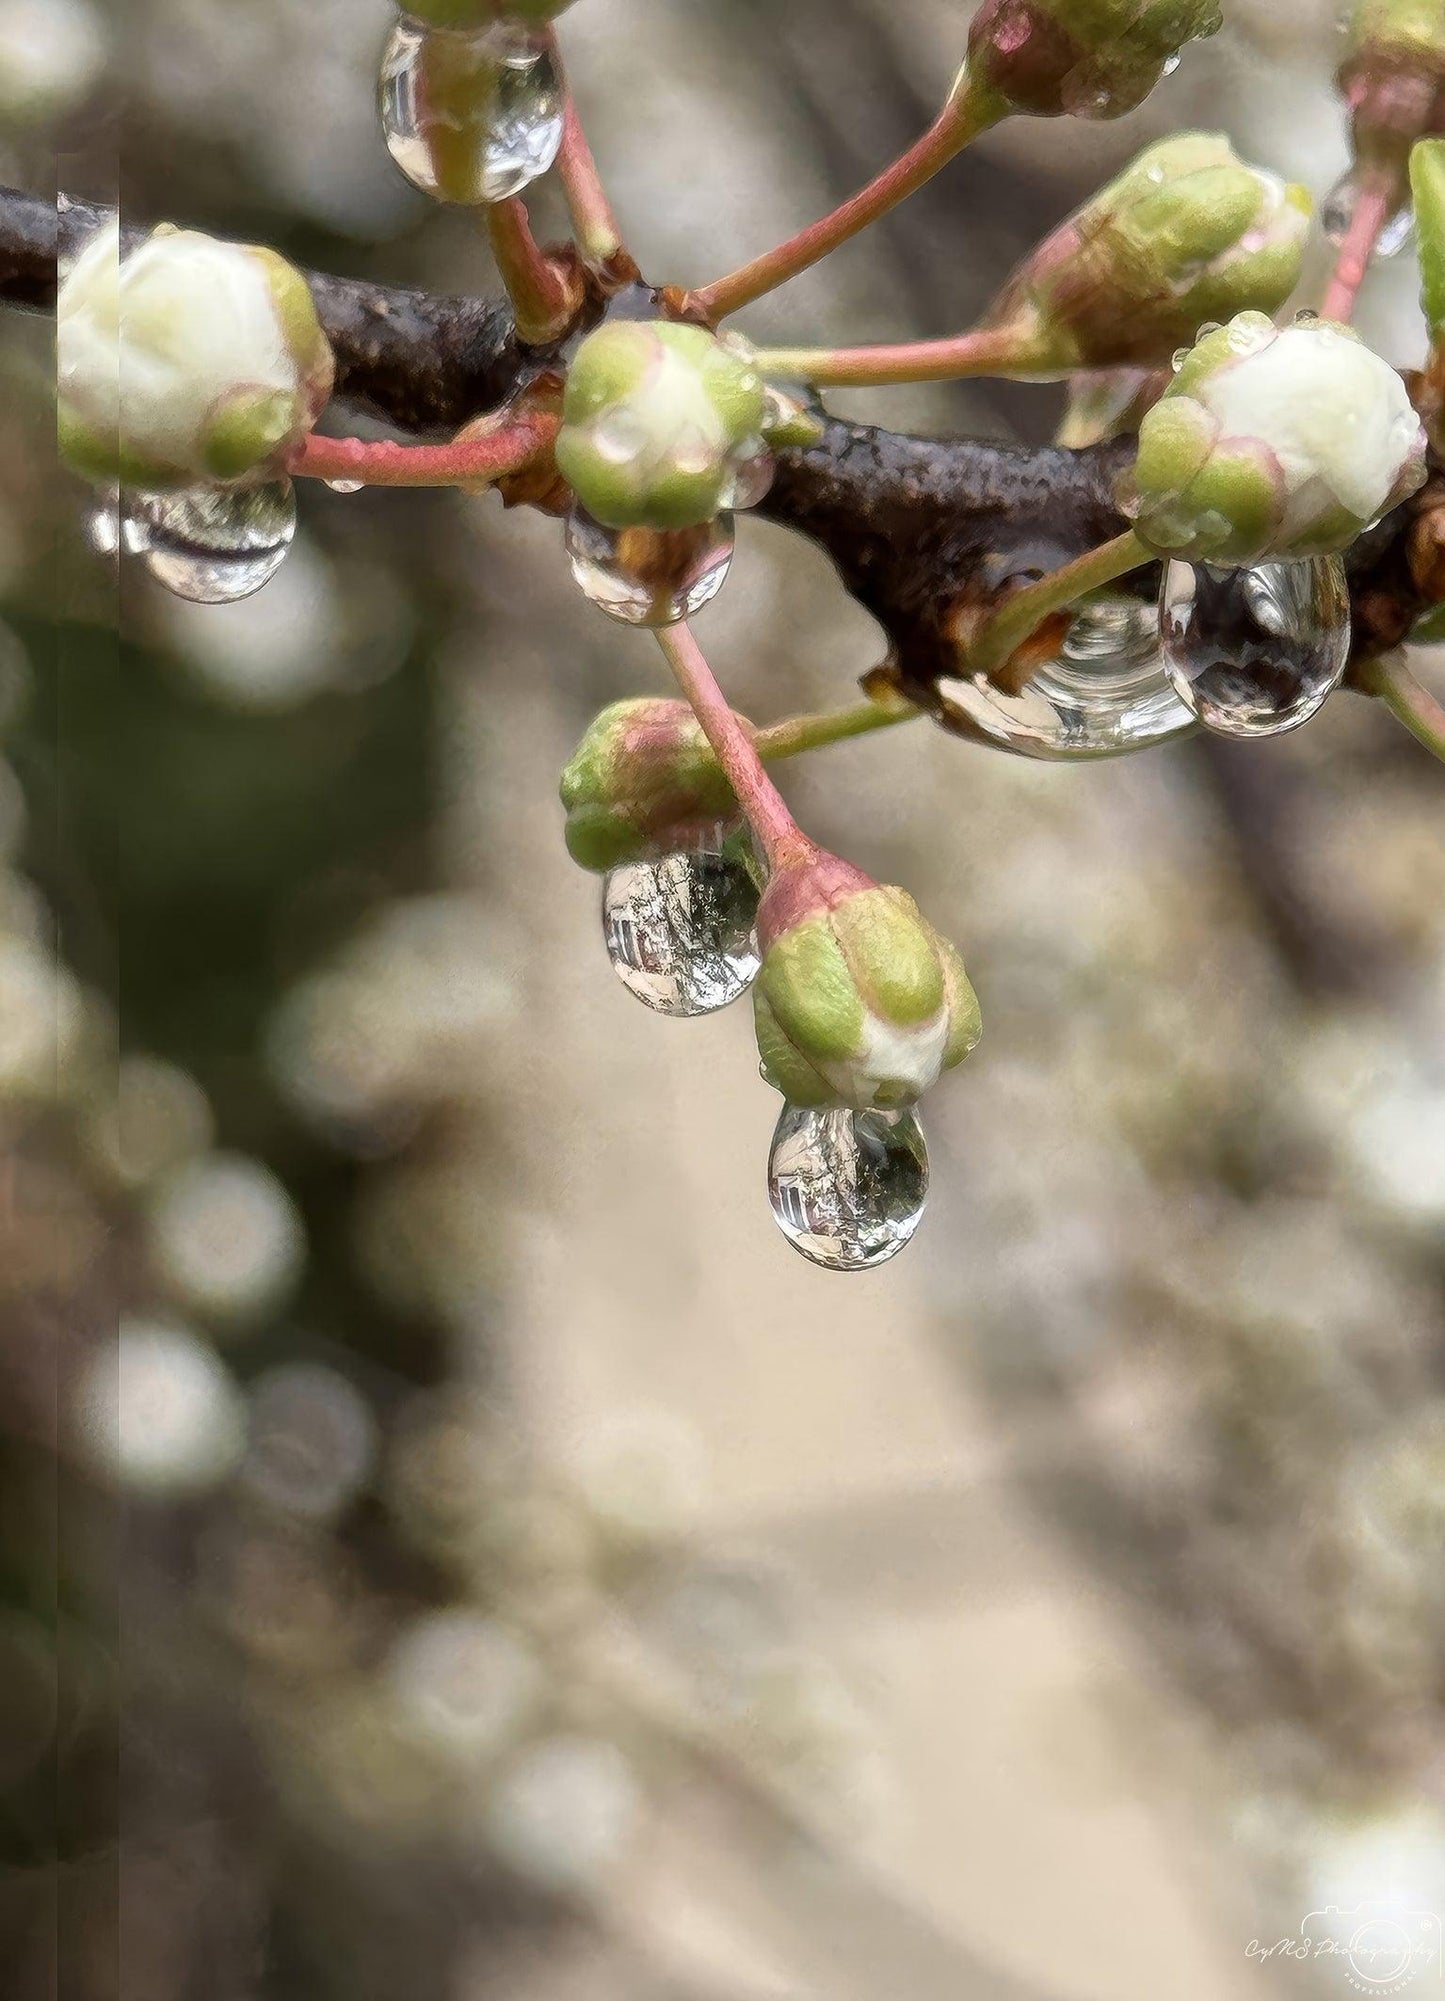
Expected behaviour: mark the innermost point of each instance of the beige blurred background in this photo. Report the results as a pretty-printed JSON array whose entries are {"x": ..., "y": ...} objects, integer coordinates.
[{"x": 492, "y": 1562}]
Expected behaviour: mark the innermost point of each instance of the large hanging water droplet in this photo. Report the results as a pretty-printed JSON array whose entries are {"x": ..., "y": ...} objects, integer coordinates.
[
  {"x": 848, "y": 1188},
  {"x": 679, "y": 930},
  {"x": 1254, "y": 652},
  {"x": 649, "y": 576},
  {"x": 1104, "y": 693},
  {"x": 1338, "y": 213},
  {"x": 213, "y": 544},
  {"x": 469, "y": 117}
]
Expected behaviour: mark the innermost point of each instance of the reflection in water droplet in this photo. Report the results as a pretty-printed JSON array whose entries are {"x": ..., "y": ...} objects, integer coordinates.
[
  {"x": 1104, "y": 693},
  {"x": 848, "y": 1188},
  {"x": 1338, "y": 213},
  {"x": 680, "y": 930},
  {"x": 470, "y": 117},
  {"x": 214, "y": 545},
  {"x": 649, "y": 576},
  {"x": 346, "y": 485},
  {"x": 1254, "y": 652}
]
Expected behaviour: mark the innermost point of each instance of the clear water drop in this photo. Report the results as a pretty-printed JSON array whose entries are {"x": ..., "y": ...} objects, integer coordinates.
[
  {"x": 470, "y": 117},
  {"x": 848, "y": 1188},
  {"x": 1105, "y": 693},
  {"x": 1338, "y": 213},
  {"x": 212, "y": 544},
  {"x": 649, "y": 576},
  {"x": 679, "y": 930},
  {"x": 103, "y": 523},
  {"x": 750, "y": 477},
  {"x": 345, "y": 485},
  {"x": 1255, "y": 652},
  {"x": 1171, "y": 63}
]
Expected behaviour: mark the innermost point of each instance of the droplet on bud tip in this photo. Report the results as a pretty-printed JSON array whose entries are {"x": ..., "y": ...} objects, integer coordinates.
[
  {"x": 848, "y": 1188},
  {"x": 214, "y": 545},
  {"x": 1255, "y": 652},
  {"x": 649, "y": 576},
  {"x": 470, "y": 117}
]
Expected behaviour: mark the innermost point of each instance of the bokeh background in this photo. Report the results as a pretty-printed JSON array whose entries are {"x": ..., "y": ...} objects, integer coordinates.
[{"x": 488, "y": 1562}]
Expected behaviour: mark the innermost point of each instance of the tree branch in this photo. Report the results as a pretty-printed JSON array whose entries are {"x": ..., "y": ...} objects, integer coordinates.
[{"x": 925, "y": 532}]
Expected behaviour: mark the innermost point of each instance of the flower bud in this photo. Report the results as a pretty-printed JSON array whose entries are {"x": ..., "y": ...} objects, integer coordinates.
[
  {"x": 1081, "y": 58},
  {"x": 185, "y": 360},
  {"x": 484, "y": 13},
  {"x": 657, "y": 421},
  {"x": 1427, "y": 181},
  {"x": 859, "y": 1001},
  {"x": 642, "y": 780},
  {"x": 1273, "y": 444},
  {"x": 1393, "y": 76},
  {"x": 1185, "y": 235}
]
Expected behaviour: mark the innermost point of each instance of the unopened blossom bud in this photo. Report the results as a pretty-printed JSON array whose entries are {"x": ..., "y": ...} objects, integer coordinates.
[
  {"x": 185, "y": 360},
  {"x": 1427, "y": 181},
  {"x": 643, "y": 779},
  {"x": 657, "y": 420},
  {"x": 484, "y": 13},
  {"x": 1081, "y": 58},
  {"x": 1187, "y": 234},
  {"x": 859, "y": 1002},
  {"x": 1393, "y": 76},
  {"x": 1273, "y": 444}
]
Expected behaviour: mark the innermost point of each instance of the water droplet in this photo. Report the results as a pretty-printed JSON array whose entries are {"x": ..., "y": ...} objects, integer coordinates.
[
  {"x": 345, "y": 485},
  {"x": 212, "y": 544},
  {"x": 679, "y": 930},
  {"x": 1171, "y": 63},
  {"x": 1254, "y": 652},
  {"x": 750, "y": 477},
  {"x": 103, "y": 523},
  {"x": 848, "y": 1188},
  {"x": 649, "y": 576},
  {"x": 469, "y": 117},
  {"x": 1105, "y": 692},
  {"x": 1338, "y": 213}
]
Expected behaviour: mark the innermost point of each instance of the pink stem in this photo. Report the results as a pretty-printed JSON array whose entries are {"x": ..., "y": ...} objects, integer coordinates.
[
  {"x": 767, "y": 813},
  {"x": 542, "y": 296},
  {"x": 960, "y": 121},
  {"x": 591, "y": 211},
  {"x": 1375, "y": 203},
  {"x": 463, "y": 462},
  {"x": 1000, "y": 351}
]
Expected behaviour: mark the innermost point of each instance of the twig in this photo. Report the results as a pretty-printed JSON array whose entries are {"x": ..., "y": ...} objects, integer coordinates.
[
  {"x": 962, "y": 119},
  {"x": 587, "y": 202},
  {"x": 1407, "y": 700},
  {"x": 466, "y": 461},
  {"x": 732, "y": 745}
]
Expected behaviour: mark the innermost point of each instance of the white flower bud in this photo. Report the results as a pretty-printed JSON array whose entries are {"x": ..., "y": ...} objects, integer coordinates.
[
  {"x": 1274, "y": 444},
  {"x": 185, "y": 360}
]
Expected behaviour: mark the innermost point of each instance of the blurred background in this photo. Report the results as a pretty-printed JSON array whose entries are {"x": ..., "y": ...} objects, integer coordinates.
[{"x": 489, "y": 1562}]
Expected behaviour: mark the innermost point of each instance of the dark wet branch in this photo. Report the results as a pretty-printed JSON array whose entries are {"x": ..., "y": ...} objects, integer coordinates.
[{"x": 921, "y": 529}]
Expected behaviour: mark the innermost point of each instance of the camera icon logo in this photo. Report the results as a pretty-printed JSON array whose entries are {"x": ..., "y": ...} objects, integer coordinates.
[{"x": 1380, "y": 1948}]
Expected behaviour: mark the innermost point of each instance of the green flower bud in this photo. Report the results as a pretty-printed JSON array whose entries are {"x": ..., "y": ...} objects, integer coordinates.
[
  {"x": 1083, "y": 58},
  {"x": 1427, "y": 181},
  {"x": 1273, "y": 444},
  {"x": 1185, "y": 235},
  {"x": 484, "y": 13},
  {"x": 185, "y": 360},
  {"x": 658, "y": 419},
  {"x": 859, "y": 1001},
  {"x": 642, "y": 781},
  {"x": 1393, "y": 76}
]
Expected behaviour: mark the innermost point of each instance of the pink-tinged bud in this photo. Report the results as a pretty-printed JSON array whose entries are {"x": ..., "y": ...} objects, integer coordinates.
[
  {"x": 1393, "y": 77},
  {"x": 642, "y": 781},
  {"x": 859, "y": 1002},
  {"x": 1081, "y": 58}
]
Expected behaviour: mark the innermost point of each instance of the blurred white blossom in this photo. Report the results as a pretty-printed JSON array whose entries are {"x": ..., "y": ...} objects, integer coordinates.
[
  {"x": 226, "y": 1237},
  {"x": 564, "y": 1813},
  {"x": 160, "y": 1411}
]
